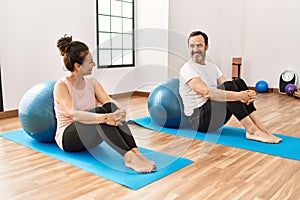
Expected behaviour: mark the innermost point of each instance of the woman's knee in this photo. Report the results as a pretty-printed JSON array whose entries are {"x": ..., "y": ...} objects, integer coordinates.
[
  {"x": 110, "y": 107},
  {"x": 99, "y": 110},
  {"x": 106, "y": 108}
]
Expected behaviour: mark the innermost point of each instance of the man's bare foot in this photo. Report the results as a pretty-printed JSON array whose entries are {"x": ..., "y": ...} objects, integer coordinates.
[
  {"x": 277, "y": 139},
  {"x": 142, "y": 157},
  {"x": 138, "y": 165},
  {"x": 259, "y": 125},
  {"x": 261, "y": 137}
]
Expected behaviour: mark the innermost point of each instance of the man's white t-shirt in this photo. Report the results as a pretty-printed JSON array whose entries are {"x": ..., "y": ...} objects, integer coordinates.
[{"x": 208, "y": 73}]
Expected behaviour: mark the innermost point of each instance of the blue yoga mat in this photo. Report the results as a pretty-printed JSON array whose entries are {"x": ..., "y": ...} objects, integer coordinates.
[
  {"x": 233, "y": 137},
  {"x": 104, "y": 161}
]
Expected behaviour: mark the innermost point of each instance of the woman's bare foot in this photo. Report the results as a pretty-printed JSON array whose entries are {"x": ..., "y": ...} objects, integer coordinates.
[
  {"x": 142, "y": 157},
  {"x": 136, "y": 163},
  {"x": 261, "y": 137}
]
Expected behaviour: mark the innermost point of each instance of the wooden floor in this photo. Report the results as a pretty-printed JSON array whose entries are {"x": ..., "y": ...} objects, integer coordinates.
[{"x": 218, "y": 172}]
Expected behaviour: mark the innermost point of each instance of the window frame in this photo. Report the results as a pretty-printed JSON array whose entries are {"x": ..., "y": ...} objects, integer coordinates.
[{"x": 110, "y": 32}]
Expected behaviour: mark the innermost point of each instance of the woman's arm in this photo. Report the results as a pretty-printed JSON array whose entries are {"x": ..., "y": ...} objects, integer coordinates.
[
  {"x": 62, "y": 96},
  {"x": 103, "y": 98},
  {"x": 101, "y": 95}
]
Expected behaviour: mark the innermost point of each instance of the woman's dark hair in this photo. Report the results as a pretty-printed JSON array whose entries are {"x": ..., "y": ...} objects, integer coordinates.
[
  {"x": 72, "y": 51},
  {"x": 194, "y": 33}
]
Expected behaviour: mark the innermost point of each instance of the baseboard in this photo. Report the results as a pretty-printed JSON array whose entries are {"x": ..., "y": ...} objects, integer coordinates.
[
  {"x": 129, "y": 94},
  {"x": 141, "y": 94},
  {"x": 270, "y": 90},
  {"x": 275, "y": 90},
  {"x": 9, "y": 114}
]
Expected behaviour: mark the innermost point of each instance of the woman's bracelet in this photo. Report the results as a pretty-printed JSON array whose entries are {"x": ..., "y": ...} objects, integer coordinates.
[{"x": 105, "y": 119}]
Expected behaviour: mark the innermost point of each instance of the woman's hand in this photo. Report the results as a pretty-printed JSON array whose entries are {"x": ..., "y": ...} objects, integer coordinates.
[
  {"x": 120, "y": 116},
  {"x": 116, "y": 118},
  {"x": 110, "y": 120}
]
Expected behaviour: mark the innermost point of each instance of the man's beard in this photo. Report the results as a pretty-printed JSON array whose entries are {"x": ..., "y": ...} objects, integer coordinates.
[{"x": 197, "y": 57}]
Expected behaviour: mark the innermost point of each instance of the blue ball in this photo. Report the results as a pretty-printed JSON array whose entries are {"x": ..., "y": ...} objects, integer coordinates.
[
  {"x": 36, "y": 112},
  {"x": 165, "y": 105},
  {"x": 261, "y": 86}
]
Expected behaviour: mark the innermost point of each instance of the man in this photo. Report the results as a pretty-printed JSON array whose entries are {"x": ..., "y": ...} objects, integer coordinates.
[{"x": 209, "y": 100}]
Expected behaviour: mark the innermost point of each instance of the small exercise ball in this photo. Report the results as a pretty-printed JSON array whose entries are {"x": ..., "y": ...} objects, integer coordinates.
[
  {"x": 290, "y": 89},
  {"x": 261, "y": 86},
  {"x": 36, "y": 112},
  {"x": 165, "y": 105}
]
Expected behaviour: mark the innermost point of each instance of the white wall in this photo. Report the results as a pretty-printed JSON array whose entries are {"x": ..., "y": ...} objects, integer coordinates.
[
  {"x": 28, "y": 53},
  {"x": 265, "y": 33},
  {"x": 29, "y": 31},
  {"x": 151, "y": 43},
  {"x": 272, "y": 42},
  {"x": 187, "y": 16}
]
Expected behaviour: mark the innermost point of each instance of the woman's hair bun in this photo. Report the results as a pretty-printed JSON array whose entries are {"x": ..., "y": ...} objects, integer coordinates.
[{"x": 64, "y": 43}]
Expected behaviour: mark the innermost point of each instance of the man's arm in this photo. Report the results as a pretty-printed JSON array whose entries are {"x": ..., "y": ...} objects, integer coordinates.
[
  {"x": 221, "y": 80},
  {"x": 216, "y": 94}
]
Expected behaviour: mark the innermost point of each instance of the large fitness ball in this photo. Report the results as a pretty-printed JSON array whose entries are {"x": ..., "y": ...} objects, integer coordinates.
[
  {"x": 165, "y": 105},
  {"x": 290, "y": 89},
  {"x": 261, "y": 86},
  {"x": 36, "y": 112}
]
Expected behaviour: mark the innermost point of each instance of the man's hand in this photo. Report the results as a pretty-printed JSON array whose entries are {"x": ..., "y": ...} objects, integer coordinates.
[{"x": 247, "y": 96}]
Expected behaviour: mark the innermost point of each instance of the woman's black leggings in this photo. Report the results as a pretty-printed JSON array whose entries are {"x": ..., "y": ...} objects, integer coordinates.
[
  {"x": 214, "y": 114},
  {"x": 78, "y": 136}
]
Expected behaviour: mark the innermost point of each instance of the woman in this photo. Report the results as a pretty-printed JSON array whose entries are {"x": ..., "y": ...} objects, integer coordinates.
[{"x": 81, "y": 122}]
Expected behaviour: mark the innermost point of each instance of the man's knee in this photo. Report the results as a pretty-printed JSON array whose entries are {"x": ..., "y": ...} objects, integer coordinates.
[
  {"x": 228, "y": 85},
  {"x": 240, "y": 84}
]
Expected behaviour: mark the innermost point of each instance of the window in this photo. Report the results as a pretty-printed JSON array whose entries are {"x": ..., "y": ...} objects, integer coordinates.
[{"x": 115, "y": 33}]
